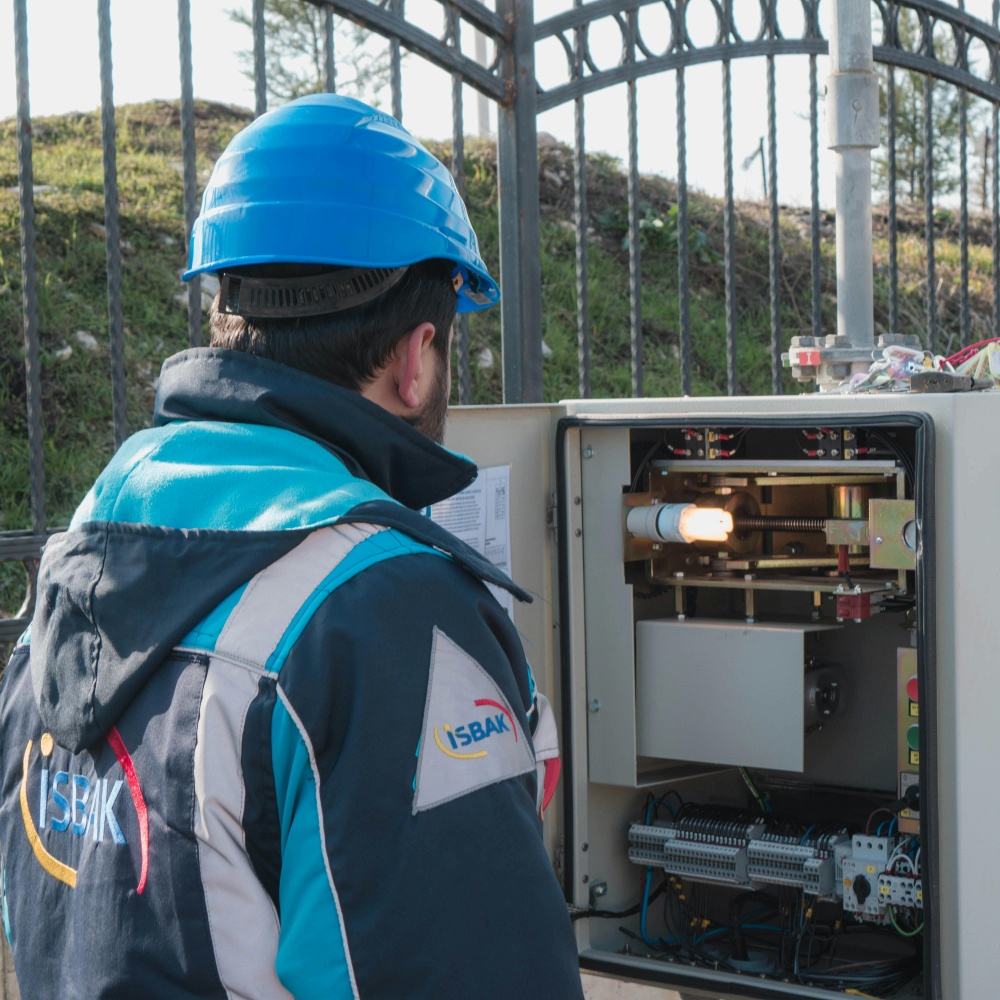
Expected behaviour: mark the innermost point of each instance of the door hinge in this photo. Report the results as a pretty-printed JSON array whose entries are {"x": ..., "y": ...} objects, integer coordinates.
[{"x": 552, "y": 512}]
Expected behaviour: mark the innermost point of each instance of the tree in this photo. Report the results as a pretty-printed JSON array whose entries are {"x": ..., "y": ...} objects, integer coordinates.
[
  {"x": 910, "y": 110},
  {"x": 294, "y": 52}
]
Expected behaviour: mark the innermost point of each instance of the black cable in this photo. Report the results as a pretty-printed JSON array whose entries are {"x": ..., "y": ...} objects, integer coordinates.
[
  {"x": 617, "y": 914},
  {"x": 887, "y": 444}
]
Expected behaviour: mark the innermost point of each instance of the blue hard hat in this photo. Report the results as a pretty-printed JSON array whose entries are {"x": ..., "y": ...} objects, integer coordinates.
[{"x": 327, "y": 179}]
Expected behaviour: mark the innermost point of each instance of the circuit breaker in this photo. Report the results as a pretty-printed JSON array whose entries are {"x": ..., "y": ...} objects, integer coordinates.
[{"x": 764, "y": 623}]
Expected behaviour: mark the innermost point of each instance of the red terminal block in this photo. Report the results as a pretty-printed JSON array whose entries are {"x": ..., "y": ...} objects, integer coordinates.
[{"x": 858, "y": 606}]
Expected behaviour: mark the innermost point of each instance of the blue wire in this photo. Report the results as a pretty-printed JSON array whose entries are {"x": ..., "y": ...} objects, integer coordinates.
[
  {"x": 805, "y": 836},
  {"x": 645, "y": 906},
  {"x": 891, "y": 825}
]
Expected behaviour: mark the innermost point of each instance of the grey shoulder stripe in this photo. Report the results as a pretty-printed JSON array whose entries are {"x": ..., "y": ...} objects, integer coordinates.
[
  {"x": 304, "y": 736},
  {"x": 274, "y": 596}
]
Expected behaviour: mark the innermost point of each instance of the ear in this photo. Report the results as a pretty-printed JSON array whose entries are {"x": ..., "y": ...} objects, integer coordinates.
[{"x": 412, "y": 366}]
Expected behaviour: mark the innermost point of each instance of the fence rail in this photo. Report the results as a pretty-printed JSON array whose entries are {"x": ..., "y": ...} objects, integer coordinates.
[{"x": 951, "y": 49}]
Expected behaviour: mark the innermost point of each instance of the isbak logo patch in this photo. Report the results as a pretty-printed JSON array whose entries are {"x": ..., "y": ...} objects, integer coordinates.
[
  {"x": 476, "y": 731},
  {"x": 82, "y": 805},
  {"x": 470, "y": 737}
]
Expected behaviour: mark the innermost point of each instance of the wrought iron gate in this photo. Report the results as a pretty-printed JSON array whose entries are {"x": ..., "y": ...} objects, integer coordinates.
[{"x": 509, "y": 80}]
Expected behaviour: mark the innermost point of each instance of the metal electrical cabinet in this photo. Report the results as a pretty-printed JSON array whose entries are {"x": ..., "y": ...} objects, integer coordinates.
[{"x": 779, "y": 748}]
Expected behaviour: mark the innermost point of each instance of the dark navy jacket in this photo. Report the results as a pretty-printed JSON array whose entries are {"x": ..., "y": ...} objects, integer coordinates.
[{"x": 269, "y": 735}]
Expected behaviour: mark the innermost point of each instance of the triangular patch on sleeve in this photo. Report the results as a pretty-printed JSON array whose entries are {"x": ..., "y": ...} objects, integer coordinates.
[{"x": 470, "y": 737}]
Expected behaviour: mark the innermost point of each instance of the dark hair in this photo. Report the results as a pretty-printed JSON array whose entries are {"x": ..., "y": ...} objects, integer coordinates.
[{"x": 347, "y": 348}]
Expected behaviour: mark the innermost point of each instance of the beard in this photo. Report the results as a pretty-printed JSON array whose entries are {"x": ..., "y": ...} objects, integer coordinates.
[{"x": 431, "y": 418}]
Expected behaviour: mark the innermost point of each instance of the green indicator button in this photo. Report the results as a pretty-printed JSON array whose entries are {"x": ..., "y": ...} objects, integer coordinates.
[{"x": 913, "y": 737}]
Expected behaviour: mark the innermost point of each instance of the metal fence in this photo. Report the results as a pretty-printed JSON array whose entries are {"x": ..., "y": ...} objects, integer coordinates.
[{"x": 954, "y": 52}]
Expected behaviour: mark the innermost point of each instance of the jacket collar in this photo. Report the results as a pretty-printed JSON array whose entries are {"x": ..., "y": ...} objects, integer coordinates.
[{"x": 230, "y": 386}]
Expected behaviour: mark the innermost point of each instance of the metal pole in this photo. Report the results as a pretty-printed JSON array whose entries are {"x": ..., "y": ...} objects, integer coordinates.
[
  {"x": 112, "y": 234},
  {"x": 396, "y": 65},
  {"x": 482, "y": 101},
  {"x": 29, "y": 274},
  {"x": 995, "y": 193},
  {"x": 853, "y": 133},
  {"x": 728, "y": 211},
  {"x": 963, "y": 225},
  {"x": 774, "y": 231},
  {"x": 329, "y": 67},
  {"x": 259, "y": 58},
  {"x": 893, "y": 221},
  {"x": 930, "y": 299},
  {"x": 683, "y": 291},
  {"x": 453, "y": 32},
  {"x": 580, "y": 217},
  {"x": 190, "y": 168},
  {"x": 517, "y": 183},
  {"x": 814, "y": 236},
  {"x": 634, "y": 247}
]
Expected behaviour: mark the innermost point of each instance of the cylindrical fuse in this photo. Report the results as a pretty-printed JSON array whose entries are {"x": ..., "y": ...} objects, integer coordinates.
[{"x": 679, "y": 522}]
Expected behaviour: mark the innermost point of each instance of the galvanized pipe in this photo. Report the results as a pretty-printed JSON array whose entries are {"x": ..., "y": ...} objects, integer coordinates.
[
  {"x": 112, "y": 234},
  {"x": 853, "y": 121},
  {"x": 29, "y": 274},
  {"x": 190, "y": 168}
]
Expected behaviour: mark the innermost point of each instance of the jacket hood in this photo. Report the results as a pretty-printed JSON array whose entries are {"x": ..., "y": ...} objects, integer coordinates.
[
  {"x": 245, "y": 459},
  {"x": 114, "y": 599}
]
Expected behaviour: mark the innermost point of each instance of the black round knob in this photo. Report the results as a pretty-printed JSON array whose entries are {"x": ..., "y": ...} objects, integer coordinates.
[{"x": 862, "y": 888}]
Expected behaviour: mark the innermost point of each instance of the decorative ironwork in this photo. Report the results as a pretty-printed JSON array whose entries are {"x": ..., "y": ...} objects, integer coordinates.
[{"x": 654, "y": 37}]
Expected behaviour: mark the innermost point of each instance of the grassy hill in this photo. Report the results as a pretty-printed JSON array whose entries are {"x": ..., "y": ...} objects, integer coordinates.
[{"x": 73, "y": 307}]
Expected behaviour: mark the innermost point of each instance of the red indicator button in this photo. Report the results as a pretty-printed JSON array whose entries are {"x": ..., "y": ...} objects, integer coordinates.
[{"x": 911, "y": 689}]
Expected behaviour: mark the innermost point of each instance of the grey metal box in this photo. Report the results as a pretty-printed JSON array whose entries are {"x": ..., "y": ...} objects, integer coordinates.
[{"x": 721, "y": 692}]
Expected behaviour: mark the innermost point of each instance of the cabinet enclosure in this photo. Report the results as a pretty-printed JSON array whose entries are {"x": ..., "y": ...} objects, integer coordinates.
[{"x": 744, "y": 723}]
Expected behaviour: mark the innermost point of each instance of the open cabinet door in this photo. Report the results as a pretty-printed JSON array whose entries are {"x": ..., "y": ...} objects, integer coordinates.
[{"x": 513, "y": 447}]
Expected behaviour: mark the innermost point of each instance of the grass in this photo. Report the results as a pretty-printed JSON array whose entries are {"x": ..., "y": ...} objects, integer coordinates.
[{"x": 70, "y": 246}]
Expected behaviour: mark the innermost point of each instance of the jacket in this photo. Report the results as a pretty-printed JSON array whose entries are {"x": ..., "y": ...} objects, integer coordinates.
[{"x": 268, "y": 734}]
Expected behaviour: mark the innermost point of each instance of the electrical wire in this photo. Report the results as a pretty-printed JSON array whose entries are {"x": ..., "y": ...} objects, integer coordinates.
[
  {"x": 765, "y": 806},
  {"x": 898, "y": 929},
  {"x": 887, "y": 444},
  {"x": 881, "y": 809}
]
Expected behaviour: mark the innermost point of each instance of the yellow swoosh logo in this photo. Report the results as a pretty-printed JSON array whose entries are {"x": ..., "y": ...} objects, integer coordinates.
[
  {"x": 54, "y": 867},
  {"x": 451, "y": 753}
]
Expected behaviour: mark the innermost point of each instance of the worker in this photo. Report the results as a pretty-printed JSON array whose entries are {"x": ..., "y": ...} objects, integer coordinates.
[{"x": 269, "y": 735}]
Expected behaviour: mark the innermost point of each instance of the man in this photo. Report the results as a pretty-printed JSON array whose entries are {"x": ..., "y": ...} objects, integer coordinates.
[{"x": 269, "y": 735}]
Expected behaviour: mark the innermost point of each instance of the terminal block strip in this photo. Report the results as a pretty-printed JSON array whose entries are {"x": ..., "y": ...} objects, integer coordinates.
[{"x": 859, "y": 871}]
